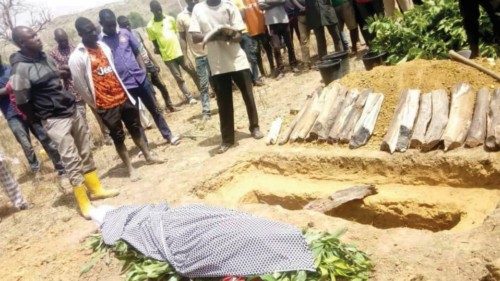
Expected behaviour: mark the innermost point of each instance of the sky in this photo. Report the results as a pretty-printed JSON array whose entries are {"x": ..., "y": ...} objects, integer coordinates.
[{"x": 64, "y": 7}]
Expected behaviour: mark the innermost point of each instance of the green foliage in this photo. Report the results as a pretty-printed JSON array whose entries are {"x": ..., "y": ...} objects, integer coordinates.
[
  {"x": 136, "y": 20},
  {"x": 427, "y": 31},
  {"x": 334, "y": 260}
]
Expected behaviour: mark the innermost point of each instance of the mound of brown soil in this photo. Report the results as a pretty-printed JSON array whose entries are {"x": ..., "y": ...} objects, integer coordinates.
[{"x": 426, "y": 75}]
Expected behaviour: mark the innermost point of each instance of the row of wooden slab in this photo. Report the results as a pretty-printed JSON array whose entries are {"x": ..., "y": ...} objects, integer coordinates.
[
  {"x": 427, "y": 121},
  {"x": 336, "y": 114}
]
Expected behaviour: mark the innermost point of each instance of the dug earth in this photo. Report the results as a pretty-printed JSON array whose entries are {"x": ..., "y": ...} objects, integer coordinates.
[{"x": 435, "y": 216}]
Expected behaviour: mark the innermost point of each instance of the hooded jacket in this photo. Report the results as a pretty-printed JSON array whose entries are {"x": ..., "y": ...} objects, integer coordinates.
[{"x": 38, "y": 89}]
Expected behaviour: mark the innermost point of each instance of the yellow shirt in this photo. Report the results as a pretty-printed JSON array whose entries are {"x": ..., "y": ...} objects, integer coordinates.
[
  {"x": 241, "y": 7},
  {"x": 165, "y": 34}
]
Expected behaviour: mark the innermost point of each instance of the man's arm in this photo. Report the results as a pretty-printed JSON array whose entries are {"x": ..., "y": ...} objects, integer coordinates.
[
  {"x": 197, "y": 37},
  {"x": 21, "y": 86},
  {"x": 183, "y": 42},
  {"x": 298, "y": 5},
  {"x": 134, "y": 43}
]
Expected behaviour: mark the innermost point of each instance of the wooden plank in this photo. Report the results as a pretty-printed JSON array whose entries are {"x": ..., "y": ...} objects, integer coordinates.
[
  {"x": 477, "y": 131},
  {"x": 309, "y": 120},
  {"x": 341, "y": 197},
  {"x": 410, "y": 111},
  {"x": 274, "y": 131},
  {"x": 439, "y": 120},
  {"x": 493, "y": 135},
  {"x": 300, "y": 124},
  {"x": 352, "y": 119},
  {"x": 332, "y": 91},
  {"x": 423, "y": 120},
  {"x": 366, "y": 123},
  {"x": 342, "y": 118},
  {"x": 286, "y": 135},
  {"x": 391, "y": 137},
  {"x": 462, "y": 108},
  {"x": 334, "y": 112}
]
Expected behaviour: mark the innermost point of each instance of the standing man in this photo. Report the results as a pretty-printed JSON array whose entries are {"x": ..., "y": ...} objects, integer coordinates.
[
  {"x": 21, "y": 129},
  {"x": 11, "y": 187},
  {"x": 249, "y": 45},
  {"x": 321, "y": 14},
  {"x": 470, "y": 13},
  {"x": 304, "y": 31},
  {"x": 40, "y": 95},
  {"x": 96, "y": 78},
  {"x": 131, "y": 70},
  {"x": 346, "y": 16},
  {"x": 162, "y": 31},
  {"x": 60, "y": 54},
  {"x": 198, "y": 53},
  {"x": 152, "y": 67},
  {"x": 277, "y": 21},
  {"x": 256, "y": 26},
  {"x": 227, "y": 62}
]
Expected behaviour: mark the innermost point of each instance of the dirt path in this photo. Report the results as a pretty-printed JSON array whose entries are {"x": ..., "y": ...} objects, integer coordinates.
[{"x": 44, "y": 243}]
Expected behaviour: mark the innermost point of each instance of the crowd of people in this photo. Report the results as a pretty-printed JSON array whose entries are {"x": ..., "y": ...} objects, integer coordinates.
[{"x": 112, "y": 72}]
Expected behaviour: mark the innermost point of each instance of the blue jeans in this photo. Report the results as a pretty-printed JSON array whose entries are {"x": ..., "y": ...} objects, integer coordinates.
[
  {"x": 145, "y": 93},
  {"x": 250, "y": 47},
  {"x": 203, "y": 71},
  {"x": 21, "y": 130}
]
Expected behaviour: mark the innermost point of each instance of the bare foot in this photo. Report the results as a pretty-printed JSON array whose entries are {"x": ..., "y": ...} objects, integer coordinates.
[
  {"x": 133, "y": 175},
  {"x": 153, "y": 160}
]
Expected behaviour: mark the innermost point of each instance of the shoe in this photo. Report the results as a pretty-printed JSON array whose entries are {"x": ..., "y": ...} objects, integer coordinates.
[
  {"x": 295, "y": 69},
  {"x": 193, "y": 101},
  {"x": 174, "y": 140},
  {"x": 224, "y": 147},
  {"x": 259, "y": 82},
  {"x": 171, "y": 108},
  {"x": 95, "y": 188},
  {"x": 256, "y": 134},
  {"x": 63, "y": 183},
  {"x": 82, "y": 200}
]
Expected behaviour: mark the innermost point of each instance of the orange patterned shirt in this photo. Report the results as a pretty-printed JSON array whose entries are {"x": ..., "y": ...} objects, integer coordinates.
[{"x": 109, "y": 92}]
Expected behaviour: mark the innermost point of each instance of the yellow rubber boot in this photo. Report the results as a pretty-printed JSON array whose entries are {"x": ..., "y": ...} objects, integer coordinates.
[
  {"x": 95, "y": 188},
  {"x": 82, "y": 200}
]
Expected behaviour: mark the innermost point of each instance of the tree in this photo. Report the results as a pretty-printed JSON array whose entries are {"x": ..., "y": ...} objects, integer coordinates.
[
  {"x": 136, "y": 20},
  {"x": 11, "y": 10}
]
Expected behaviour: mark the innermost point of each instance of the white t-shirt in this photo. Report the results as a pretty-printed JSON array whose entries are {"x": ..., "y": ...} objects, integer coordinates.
[{"x": 223, "y": 57}]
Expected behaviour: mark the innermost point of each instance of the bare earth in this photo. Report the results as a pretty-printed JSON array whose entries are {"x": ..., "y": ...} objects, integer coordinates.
[{"x": 435, "y": 217}]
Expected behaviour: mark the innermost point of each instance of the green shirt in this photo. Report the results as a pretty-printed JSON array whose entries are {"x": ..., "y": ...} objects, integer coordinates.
[
  {"x": 336, "y": 3},
  {"x": 165, "y": 34}
]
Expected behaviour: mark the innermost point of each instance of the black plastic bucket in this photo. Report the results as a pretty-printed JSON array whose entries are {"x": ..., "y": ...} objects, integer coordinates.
[
  {"x": 372, "y": 59},
  {"x": 330, "y": 70},
  {"x": 344, "y": 56}
]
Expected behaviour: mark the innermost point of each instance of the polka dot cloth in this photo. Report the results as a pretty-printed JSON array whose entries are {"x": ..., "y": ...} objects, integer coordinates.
[{"x": 201, "y": 241}]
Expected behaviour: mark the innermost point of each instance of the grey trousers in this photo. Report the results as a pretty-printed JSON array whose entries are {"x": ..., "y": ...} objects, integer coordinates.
[{"x": 72, "y": 138}]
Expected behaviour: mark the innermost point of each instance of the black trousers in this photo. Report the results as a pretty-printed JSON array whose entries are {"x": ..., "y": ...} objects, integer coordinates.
[
  {"x": 365, "y": 10},
  {"x": 223, "y": 90},
  {"x": 321, "y": 39},
  {"x": 470, "y": 13},
  {"x": 113, "y": 118},
  {"x": 158, "y": 83},
  {"x": 264, "y": 41},
  {"x": 281, "y": 31}
]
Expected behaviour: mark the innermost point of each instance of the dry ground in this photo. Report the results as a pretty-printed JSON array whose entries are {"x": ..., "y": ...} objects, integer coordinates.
[{"x": 435, "y": 217}]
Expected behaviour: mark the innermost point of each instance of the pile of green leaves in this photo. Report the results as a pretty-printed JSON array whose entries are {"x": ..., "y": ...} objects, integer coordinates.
[
  {"x": 427, "y": 31},
  {"x": 334, "y": 260}
]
